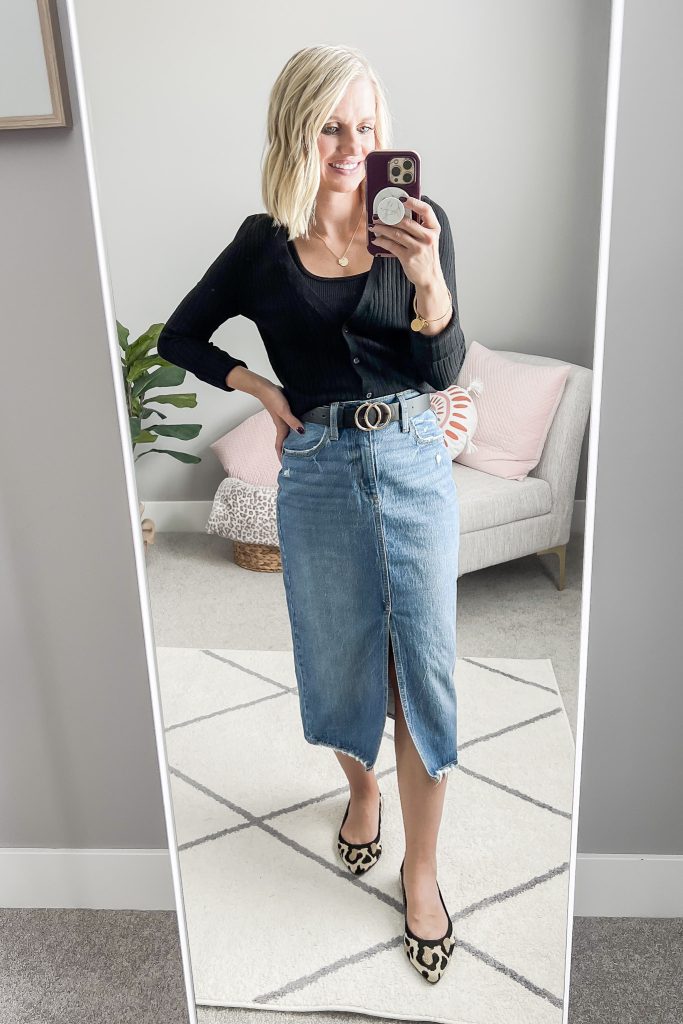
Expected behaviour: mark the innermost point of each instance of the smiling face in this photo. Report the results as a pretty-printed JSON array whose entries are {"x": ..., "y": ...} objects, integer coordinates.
[{"x": 347, "y": 137}]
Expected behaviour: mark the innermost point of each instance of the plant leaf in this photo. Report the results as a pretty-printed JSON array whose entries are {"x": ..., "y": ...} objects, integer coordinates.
[
  {"x": 183, "y": 431},
  {"x": 182, "y": 401},
  {"x": 164, "y": 377},
  {"x": 180, "y": 456},
  {"x": 143, "y": 344},
  {"x": 140, "y": 366},
  {"x": 123, "y": 333}
]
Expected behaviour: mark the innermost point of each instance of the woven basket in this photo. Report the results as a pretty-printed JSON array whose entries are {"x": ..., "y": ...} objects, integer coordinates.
[{"x": 259, "y": 557}]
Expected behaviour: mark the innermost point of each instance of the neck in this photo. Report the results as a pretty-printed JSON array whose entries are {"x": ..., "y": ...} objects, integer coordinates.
[{"x": 337, "y": 213}]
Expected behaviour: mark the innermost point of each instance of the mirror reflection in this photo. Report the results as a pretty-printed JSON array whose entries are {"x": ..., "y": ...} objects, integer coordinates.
[{"x": 359, "y": 362}]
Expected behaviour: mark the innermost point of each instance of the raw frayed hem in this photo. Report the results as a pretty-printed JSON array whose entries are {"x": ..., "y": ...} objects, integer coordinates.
[
  {"x": 340, "y": 750},
  {"x": 443, "y": 771}
]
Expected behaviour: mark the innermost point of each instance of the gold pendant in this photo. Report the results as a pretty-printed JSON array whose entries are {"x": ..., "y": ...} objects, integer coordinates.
[
  {"x": 342, "y": 261},
  {"x": 418, "y": 323}
]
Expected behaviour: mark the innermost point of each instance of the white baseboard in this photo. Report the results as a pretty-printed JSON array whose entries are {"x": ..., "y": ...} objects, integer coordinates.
[
  {"x": 607, "y": 885},
  {"x": 192, "y": 516},
  {"x": 178, "y": 516},
  {"x": 614, "y": 885},
  {"x": 86, "y": 879}
]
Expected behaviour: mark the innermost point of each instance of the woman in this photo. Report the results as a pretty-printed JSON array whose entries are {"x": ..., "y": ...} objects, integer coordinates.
[{"x": 367, "y": 509}]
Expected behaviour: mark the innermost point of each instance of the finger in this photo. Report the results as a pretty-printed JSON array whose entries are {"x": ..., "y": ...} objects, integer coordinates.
[
  {"x": 288, "y": 419},
  {"x": 388, "y": 243},
  {"x": 419, "y": 205},
  {"x": 416, "y": 228},
  {"x": 388, "y": 236},
  {"x": 429, "y": 218},
  {"x": 409, "y": 227}
]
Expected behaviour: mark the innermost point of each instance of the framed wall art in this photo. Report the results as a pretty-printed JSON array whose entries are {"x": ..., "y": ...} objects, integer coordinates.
[{"x": 33, "y": 84}]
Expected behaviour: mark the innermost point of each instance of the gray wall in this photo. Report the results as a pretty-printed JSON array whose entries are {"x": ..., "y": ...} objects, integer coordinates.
[
  {"x": 504, "y": 102},
  {"x": 632, "y": 770},
  {"x": 78, "y": 764}
]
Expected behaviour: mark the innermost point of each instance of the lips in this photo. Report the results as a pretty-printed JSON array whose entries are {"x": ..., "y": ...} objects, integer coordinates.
[{"x": 348, "y": 171}]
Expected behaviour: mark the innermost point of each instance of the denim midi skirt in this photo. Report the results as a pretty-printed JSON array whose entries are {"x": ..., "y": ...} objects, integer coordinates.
[{"x": 369, "y": 529}]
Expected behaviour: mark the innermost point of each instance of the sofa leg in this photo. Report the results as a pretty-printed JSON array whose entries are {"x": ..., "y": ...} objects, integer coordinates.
[{"x": 561, "y": 551}]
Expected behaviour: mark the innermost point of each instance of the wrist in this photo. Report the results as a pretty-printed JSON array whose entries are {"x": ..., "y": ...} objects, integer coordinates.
[
  {"x": 242, "y": 379},
  {"x": 432, "y": 293},
  {"x": 434, "y": 302}
]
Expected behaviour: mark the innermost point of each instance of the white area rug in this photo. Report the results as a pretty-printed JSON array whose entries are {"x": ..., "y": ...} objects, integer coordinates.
[{"x": 277, "y": 922}]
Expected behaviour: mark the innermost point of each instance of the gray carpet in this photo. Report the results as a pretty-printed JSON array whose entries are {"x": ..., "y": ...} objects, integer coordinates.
[
  {"x": 120, "y": 967},
  {"x": 91, "y": 967},
  {"x": 627, "y": 971}
]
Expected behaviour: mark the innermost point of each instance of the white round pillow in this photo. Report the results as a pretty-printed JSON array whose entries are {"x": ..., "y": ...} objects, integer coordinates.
[{"x": 456, "y": 412}]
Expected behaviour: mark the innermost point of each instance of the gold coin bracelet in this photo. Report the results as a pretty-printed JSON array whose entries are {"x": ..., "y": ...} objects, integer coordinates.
[{"x": 419, "y": 322}]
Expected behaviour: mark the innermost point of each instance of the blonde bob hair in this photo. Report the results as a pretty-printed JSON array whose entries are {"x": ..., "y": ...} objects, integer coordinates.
[{"x": 302, "y": 99}]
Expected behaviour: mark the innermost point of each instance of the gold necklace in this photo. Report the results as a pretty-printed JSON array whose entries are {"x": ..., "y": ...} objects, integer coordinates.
[{"x": 342, "y": 260}]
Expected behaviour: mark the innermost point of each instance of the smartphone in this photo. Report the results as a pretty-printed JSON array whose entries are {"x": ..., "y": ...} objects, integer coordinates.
[{"x": 390, "y": 173}]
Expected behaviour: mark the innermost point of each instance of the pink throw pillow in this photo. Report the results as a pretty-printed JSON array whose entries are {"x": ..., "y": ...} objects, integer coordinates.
[
  {"x": 248, "y": 451},
  {"x": 515, "y": 411}
]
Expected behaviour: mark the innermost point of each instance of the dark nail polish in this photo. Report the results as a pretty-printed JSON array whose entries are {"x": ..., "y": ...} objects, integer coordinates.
[
  {"x": 375, "y": 216},
  {"x": 404, "y": 199},
  {"x": 301, "y": 430}
]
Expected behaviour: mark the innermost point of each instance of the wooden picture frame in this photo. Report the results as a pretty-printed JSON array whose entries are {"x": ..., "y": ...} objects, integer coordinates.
[{"x": 33, "y": 83}]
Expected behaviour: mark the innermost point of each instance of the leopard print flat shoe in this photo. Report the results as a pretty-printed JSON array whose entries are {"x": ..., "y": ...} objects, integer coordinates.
[
  {"x": 360, "y": 857},
  {"x": 428, "y": 956}
]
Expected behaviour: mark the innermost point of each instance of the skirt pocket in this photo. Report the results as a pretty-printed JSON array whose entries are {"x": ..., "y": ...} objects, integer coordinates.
[
  {"x": 425, "y": 427},
  {"x": 308, "y": 444}
]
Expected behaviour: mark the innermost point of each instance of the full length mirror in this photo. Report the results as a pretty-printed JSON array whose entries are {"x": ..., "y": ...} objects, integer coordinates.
[{"x": 353, "y": 254}]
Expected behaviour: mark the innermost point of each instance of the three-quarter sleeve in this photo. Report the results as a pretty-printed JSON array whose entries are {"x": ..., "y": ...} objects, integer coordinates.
[
  {"x": 439, "y": 357},
  {"x": 219, "y": 295}
]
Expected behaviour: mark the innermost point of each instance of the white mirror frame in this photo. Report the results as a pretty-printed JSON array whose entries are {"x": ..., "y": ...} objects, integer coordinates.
[
  {"x": 614, "y": 68},
  {"x": 609, "y": 149}
]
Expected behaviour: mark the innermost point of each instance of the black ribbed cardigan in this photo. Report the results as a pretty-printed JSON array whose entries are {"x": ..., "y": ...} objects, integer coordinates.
[{"x": 374, "y": 353}]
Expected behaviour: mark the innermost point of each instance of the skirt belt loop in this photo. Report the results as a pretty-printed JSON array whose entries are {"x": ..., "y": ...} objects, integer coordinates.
[
  {"x": 404, "y": 415},
  {"x": 334, "y": 423}
]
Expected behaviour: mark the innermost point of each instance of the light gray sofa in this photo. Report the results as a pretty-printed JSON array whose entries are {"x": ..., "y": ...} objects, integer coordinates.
[{"x": 505, "y": 519}]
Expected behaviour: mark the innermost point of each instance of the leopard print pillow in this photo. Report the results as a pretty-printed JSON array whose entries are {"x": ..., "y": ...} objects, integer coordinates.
[{"x": 244, "y": 512}]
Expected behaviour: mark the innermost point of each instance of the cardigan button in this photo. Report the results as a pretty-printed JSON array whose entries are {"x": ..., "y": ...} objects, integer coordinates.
[
  {"x": 356, "y": 359},
  {"x": 369, "y": 394}
]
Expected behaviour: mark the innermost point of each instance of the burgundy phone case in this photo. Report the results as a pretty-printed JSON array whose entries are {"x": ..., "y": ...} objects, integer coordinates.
[{"x": 376, "y": 179}]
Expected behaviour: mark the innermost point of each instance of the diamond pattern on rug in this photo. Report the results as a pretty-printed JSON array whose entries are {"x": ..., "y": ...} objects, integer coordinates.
[{"x": 274, "y": 919}]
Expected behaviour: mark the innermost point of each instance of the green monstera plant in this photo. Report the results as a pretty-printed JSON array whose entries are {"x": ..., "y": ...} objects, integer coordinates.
[{"x": 144, "y": 371}]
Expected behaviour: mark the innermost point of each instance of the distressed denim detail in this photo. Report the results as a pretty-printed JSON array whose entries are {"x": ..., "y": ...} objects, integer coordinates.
[{"x": 425, "y": 427}]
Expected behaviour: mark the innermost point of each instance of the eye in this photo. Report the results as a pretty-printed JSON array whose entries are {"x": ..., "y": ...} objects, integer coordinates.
[{"x": 331, "y": 129}]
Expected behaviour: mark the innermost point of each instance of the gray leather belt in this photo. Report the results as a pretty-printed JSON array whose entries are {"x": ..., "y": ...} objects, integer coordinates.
[{"x": 368, "y": 415}]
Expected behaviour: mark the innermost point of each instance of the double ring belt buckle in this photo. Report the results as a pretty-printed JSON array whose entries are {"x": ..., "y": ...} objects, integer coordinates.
[{"x": 365, "y": 408}]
